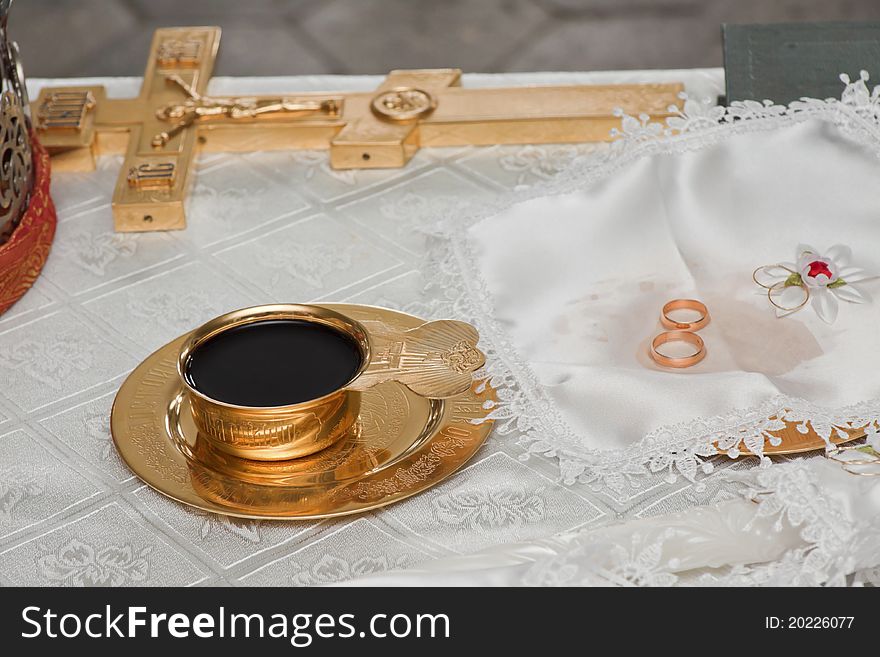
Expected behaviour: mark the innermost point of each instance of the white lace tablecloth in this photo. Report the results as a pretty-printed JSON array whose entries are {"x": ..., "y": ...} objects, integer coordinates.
[{"x": 272, "y": 227}]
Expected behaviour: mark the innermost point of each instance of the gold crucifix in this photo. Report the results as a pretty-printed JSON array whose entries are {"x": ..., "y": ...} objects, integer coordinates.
[{"x": 172, "y": 118}]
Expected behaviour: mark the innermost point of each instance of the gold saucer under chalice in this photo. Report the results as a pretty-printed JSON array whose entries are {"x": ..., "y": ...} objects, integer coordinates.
[{"x": 400, "y": 445}]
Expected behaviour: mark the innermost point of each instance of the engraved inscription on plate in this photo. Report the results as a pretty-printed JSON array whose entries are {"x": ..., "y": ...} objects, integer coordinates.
[
  {"x": 152, "y": 175},
  {"x": 403, "y": 104},
  {"x": 179, "y": 53},
  {"x": 146, "y": 409},
  {"x": 64, "y": 110}
]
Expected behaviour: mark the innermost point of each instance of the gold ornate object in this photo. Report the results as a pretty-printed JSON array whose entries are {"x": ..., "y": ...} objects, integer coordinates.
[
  {"x": 16, "y": 166},
  {"x": 27, "y": 214},
  {"x": 403, "y": 104},
  {"x": 16, "y": 163},
  {"x": 794, "y": 440},
  {"x": 274, "y": 432},
  {"x": 434, "y": 360},
  {"x": 401, "y": 444},
  {"x": 64, "y": 111},
  {"x": 172, "y": 117},
  {"x": 202, "y": 108}
]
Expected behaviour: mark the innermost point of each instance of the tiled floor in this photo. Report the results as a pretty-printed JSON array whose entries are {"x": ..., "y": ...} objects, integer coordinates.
[{"x": 275, "y": 37}]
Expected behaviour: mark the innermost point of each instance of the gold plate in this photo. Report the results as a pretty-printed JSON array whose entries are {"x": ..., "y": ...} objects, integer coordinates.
[{"x": 401, "y": 445}]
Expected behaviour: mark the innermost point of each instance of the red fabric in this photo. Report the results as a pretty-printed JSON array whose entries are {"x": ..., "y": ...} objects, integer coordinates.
[{"x": 23, "y": 255}]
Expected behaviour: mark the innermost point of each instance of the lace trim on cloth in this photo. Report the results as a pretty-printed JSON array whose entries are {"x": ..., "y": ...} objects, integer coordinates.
[
  {"x": 683, "y": 450},
  {"x": 840, "y": 548},
  {"x": 834, "y": 549},
  {"x": 835, "y": 545}
]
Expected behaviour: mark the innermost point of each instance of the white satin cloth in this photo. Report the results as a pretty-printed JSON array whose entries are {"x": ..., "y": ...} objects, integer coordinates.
[{"x": 578, "y": 281}]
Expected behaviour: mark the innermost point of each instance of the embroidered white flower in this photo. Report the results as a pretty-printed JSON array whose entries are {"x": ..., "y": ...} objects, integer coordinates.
[
  {"x": 51, "y": 362},
  {"x": 245, "y": 529},
  {"x": 318, "y": 161},
  {"x": 97, "y": 426},
  {"x": 174, "y": 308},
  {"x": 330, "y": 569},
  {"x": 77, "y": 563},
  {"x": 309, "y": 262},
  {"x": 484, "y": 510},
  {"x": 96, "y": 252},
  {"x": 16, "y": 486},
  {"x": 539, "y": 162},
  {"x": 826, "y": 278}
]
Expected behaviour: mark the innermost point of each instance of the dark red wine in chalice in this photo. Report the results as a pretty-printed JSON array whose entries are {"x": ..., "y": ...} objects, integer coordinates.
[{"x": 273, "y": 363}]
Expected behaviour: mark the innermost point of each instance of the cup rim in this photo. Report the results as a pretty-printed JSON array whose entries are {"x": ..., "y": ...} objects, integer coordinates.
[{"x": 269, "y": 312}]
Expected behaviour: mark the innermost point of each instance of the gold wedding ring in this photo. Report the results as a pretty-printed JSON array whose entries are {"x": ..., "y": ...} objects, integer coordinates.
[
  {"x": 781, "y": 287},
  {"x": 678, "y": 361},
  {"x": 763, "y": 269},
  {"x": 684, "y": 304}
]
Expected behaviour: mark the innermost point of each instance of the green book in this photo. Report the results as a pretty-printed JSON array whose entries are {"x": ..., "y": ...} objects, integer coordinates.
[{"x": 788, "y": 61}]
